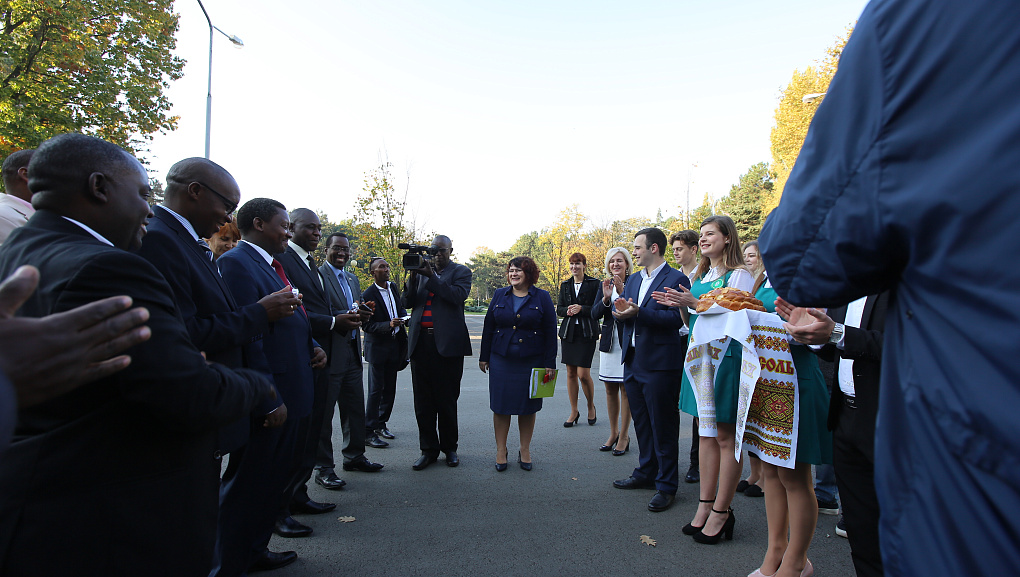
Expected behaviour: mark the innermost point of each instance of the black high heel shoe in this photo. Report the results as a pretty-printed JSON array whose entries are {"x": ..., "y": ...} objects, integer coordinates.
[
  {"x": 500, "y": 467},
  {"x": 590, "y": 421},
  {"x": 619, "y": 453},
  {"x": 690, "y": 529},
  {"x": 569, "y": 424},
  {"x": 609, "y": 446},
  {"x": 524, "y": 465},
  {"x": 727, "y": 530}
]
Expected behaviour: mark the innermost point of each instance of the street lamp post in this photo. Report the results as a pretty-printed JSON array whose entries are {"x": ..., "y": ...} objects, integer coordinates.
[
  {"x": 208, "y": 97},
  {"x": 688, "y": 215}
]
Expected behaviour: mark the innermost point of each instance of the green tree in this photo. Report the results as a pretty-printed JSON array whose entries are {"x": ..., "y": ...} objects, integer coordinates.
[
  {"x": 488, "y": 272},
  {"x": 793, "y": 115},
  {"x": 93, "y": 66},
  {"x": 746, "y": 198}
]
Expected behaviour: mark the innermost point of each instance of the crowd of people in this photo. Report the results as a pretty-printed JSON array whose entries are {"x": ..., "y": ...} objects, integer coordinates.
[{"x": 136, "y": 354}]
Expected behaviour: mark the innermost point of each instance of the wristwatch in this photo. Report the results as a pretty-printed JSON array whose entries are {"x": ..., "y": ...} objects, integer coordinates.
[{"x": 837, "y": 333}]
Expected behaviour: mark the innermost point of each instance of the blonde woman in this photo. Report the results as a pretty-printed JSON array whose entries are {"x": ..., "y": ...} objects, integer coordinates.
[{"x": 619, "y": 264}]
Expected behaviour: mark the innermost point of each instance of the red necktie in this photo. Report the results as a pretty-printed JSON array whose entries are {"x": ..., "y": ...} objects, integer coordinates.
[{"x": 286, "y": 282}]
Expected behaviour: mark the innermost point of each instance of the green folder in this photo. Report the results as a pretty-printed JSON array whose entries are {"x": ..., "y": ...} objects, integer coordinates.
[{"x": 540, "y": 389}]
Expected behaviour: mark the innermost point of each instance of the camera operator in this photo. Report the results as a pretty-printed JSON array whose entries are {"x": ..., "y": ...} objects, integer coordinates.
[{"x": 437, "y": 343}]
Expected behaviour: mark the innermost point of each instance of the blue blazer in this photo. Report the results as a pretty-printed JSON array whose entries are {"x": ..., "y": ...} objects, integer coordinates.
[
  {"x": 285, "y": 349},
  {"x": 656, "y": 327},
  {"x": 533, "y": 327}
]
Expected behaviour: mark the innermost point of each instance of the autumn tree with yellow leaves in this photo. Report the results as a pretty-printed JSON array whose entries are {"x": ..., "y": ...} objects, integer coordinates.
[{"x": 794, "y": 114}]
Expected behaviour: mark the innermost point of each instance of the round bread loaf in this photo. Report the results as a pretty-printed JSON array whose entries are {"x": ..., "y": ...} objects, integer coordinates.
[{"x": 729, "y": 298}]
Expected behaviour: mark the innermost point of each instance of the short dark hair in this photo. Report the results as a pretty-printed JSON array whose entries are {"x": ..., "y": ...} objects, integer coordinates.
[
  {"x": 373, "y": 260},
  {"x": 329, "y": 239},
  {"x": 526, "y": 264},
  {"x": 66, "y": 161},
  {"x": 264, "y": 208},
  {"x": 688, "y": 237},
  {"x": 578, "y": 257},
  {"x": 653, "y": 236},
  {"x": 15, "y": 161}
]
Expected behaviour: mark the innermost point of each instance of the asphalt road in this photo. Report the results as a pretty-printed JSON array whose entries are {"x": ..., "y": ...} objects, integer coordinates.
[{"x": 563, "y": 518}]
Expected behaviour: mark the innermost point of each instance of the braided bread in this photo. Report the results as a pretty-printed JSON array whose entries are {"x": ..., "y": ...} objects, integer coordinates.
[{"x": 729, "y": 298}]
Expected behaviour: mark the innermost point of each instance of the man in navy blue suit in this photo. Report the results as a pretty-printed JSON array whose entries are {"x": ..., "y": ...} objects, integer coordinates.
[
  {"x": 254, "y": 489},
  {"x": 652, "y": 368}
]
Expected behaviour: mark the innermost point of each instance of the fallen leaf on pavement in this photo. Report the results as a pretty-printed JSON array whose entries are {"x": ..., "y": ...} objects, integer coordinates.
[
  {"x": 347, "y": 519},
  {"x": 648, "y": 540}
]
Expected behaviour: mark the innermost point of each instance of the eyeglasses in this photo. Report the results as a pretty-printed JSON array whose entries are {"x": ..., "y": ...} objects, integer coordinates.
[{"x": 230, "y": 206}]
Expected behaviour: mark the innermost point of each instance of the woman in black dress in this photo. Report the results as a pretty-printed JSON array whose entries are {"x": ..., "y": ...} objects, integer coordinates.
[
  {"x": 519, "y": 335},
  {"x": 578, "y": 333}
]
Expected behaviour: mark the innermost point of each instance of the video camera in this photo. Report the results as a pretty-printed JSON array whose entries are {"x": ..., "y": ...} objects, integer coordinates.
[{"x": 417, "y": 255}]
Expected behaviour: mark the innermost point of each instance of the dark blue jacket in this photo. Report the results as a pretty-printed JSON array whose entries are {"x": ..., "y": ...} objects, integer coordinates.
[
  {"x": 285, "y": 349},
  {"x": 656, "y": 327},
  {"x": 908, "y": 180},
  {"x": 533, "y": 327}
]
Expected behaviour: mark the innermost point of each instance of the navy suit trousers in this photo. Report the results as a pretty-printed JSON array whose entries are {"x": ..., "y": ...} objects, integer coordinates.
[{"x": 654, "y": 404}]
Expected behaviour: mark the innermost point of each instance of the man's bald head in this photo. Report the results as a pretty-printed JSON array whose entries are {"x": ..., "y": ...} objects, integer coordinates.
[
  {"x": 64, "y": 163},
  {"x": 202, "y": 192},
  {"x": 15, "y": 174}
]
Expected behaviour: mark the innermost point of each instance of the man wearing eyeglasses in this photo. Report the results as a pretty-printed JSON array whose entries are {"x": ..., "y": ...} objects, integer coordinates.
[
  {"x": 200, "y": 198},
  {"x": 438, "y": 341}
]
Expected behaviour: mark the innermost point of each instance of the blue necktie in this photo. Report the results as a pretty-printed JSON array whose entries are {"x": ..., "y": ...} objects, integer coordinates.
[{"x": 347, "y": 293}]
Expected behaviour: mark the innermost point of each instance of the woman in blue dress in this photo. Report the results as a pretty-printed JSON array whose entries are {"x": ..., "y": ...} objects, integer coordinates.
[{"x": 519, "y": 335}]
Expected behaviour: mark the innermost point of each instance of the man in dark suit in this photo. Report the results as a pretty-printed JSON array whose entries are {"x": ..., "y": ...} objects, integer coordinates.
[
  {"x": 142, "y": 443},
  {"x": 852, "y": 337},
  {"x": 200, "y": 198},
  {"x": 287, "y": 352},
  {"x": 300, "y": 267},
  {"x": 346, "y": 381},
  {"x": 652, "y": 368},
  {"x": 438, "y": 341},
  {"x": 43, "y": 358},
  {"x": 385, "y": 348}
]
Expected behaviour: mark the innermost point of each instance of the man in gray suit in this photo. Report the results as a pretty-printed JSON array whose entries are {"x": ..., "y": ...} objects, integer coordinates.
[
  {"x": 438, "y": 341},
  {"x": 346, "y": 387}
]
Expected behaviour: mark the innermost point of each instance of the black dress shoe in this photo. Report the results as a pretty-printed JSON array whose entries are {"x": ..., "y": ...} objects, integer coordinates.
[
  {"x": 312, "y": 507},
  {"x": 693, "y": 476},
  {"x": 452, "y": 460},
  {"x": 385, "y": 433},
  {"x": 330, "y": 481},
  {"x": 660, "y": 502},
  {"x": 363, "y": 465},
  {"x": 290, "y": 527},
  {"x": 423, "y": 461},
  {"x": 376, "y": 443},
  {"x": 632, "y": 483},
  {"x": 269, "y": 560}
]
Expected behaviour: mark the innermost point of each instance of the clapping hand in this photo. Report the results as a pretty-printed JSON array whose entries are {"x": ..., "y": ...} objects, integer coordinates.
[
  {"x": 807, "y": 326},
  {"x": 630, "y": 309},
  {"x": 675, "y": 298}
]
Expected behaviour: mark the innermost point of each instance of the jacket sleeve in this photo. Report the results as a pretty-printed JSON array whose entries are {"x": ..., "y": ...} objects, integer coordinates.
[
  {"x": 455, "y": 289},
  {"x": 489, "y": 329},
  {"x": 561, "y": 306},
  {"x": 548, "y": 329},
  {"x": 167, "y": 375},
  {"x": 210, "y": 333},
  {"x": 861, "y": 344},
  {"x": 833, "y": 237},
  {"x": 373, "y": 326},
  {"x": 243, "y": 287}
]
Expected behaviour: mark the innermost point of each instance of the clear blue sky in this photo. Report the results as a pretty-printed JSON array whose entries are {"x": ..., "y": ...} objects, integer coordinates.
[{"x": 500, "y": 113}]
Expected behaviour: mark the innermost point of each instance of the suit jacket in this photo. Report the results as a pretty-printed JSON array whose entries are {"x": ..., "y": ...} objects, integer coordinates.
[
  {"x": 382, "y": 345},
  {"x": 609, "y": 324},
  {"x": 314, "y": 287},
  {"x": 864, "y": 346},
  {"x": 533, "y": 327},
  {"x": 216, "y": 325},
  {"x": 450, "y": 290},
  {"x": 284, "y": 350},
  {"x": 656, "y": 327},
  {"x": 341, "y": 339},
  {"x": 585, "y": 327},
  {"x": 140, "y": 444}
]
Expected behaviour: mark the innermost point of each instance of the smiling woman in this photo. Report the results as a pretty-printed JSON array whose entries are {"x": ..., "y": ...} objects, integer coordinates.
[{"x": 519, "y": 335}]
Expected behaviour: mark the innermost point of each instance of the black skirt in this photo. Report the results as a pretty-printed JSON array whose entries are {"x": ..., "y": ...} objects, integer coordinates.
[{"x": 578, "y": 353}]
